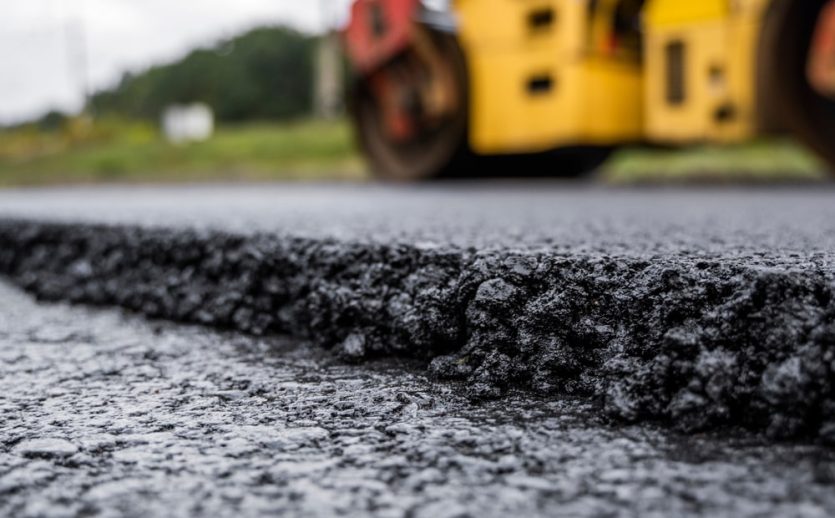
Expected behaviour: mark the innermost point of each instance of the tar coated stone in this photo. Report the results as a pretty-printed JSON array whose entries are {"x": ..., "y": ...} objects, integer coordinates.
[{"x": 46, "y": 448}]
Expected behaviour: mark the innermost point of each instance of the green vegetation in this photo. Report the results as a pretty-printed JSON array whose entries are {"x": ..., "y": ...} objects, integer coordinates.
[
  {"x": 780, "y": 160},
  {"x": 265, "y": 74},
  {"x": 113, "y": 151},
  {"x": 260, "y": 87}
]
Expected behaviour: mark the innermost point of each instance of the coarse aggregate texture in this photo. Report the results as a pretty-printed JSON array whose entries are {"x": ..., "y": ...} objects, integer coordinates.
[
  {"x": 700, "y": 309},
  {"x": 111, "y": 415}
]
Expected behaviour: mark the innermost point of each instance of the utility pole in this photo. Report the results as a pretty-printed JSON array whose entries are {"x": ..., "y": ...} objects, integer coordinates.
[{"x": 328, "y": 93}]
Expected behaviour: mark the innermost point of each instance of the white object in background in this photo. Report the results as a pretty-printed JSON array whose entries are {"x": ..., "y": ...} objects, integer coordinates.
[
  {"x": 328, "y": 89},
  {"x": 188, "y": 123}
]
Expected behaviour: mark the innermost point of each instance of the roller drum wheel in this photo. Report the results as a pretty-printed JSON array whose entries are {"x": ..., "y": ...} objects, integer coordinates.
[
  {"x": 785, "y": 47},
  {"x": 433, "y": 153}
]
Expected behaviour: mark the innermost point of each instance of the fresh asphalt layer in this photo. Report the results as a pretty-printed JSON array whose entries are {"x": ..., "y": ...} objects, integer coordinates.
[
  {"x": 698, "y": 309},
  {"x": 105, "y": 414}
]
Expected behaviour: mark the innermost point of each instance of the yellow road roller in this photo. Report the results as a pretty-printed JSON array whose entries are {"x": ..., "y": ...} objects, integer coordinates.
[{"x": 451, "y": 88}]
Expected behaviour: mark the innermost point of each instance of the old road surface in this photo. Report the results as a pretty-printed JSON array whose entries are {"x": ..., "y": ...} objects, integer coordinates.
[{"x": 528, "y": 349}]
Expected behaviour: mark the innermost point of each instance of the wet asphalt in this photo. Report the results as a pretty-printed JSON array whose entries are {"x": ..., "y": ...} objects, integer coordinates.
[
  {"x": 112, "y": 415},
  {"x": 762, "y": 224},
  {"x": 450, "y": 350}
]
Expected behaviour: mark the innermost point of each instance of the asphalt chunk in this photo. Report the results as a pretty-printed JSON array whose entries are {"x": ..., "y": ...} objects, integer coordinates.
[
  {"x": 733, "y": 326},
  {"x": 46, "y": 448}
]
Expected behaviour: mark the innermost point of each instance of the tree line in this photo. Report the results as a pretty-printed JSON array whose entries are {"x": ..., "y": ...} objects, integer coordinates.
[{"x": 264, "y": 74}]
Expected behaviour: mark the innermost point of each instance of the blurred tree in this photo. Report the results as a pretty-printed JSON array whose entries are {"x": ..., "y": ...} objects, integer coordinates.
[
  {"x": 52, "y": 121},
  {"x": 265, "y": 74}
]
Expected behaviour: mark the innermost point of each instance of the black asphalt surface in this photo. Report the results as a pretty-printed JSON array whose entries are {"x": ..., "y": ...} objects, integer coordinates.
[
  {"x": 651, "y": 337},
  {"x": 110, "y": 415},
  {"x": 767, "y": 223}
]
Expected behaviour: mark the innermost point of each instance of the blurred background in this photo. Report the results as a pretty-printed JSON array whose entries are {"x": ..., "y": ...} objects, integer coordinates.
[{"x": 251, "y": 90}]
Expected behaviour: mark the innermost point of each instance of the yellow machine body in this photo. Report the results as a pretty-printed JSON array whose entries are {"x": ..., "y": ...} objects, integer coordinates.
[
  {"x": 555, "y": 73},
  {"x": 701, "y": 69}
]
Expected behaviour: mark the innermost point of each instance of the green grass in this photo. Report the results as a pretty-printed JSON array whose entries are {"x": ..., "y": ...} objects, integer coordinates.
[
  {"x": 118, "y": 151},
  {"x": 136, "y": 153},
  {"x": 776, "y": 160}
]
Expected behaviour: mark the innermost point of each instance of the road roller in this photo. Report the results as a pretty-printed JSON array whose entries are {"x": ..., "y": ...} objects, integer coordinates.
[{"x": 452, "y": 88}]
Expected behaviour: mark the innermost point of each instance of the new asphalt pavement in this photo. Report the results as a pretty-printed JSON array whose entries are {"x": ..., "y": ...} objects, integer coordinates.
[{"x": 536, "y": 348}]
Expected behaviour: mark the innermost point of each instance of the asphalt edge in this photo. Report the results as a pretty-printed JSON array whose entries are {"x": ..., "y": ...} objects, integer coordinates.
[{"x": 691, "y": 341}]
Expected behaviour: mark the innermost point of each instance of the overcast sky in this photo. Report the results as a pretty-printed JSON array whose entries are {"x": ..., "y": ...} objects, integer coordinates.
[{"x": 36, "y": 56}]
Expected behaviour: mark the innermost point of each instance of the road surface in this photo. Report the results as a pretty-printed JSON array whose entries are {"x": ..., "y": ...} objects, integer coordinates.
[
  {"x": 512, "y": 347},
  {"x": 112, "y": 415}
]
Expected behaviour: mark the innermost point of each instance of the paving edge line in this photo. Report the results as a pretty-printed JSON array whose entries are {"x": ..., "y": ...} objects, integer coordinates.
[{"x": 696, "y": 342}]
